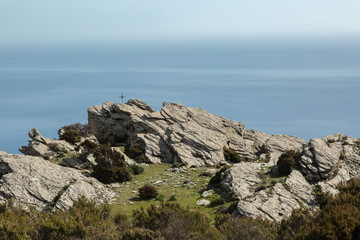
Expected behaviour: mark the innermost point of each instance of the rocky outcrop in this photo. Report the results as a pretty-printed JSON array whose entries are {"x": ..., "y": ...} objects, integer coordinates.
[
  {"x": 182, "y": 134},
  {"x": 44, "y": 147},
  {"x": 33, "y": 181},
  {"x": 325, "y": 162}
]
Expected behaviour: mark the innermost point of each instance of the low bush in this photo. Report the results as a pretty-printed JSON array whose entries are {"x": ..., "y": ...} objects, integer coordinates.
[
  {"x": 136, "y": 169},
  {"x": 216, "y": 201},
  {"x": 84, "y": 130},
  {"x": 339, "y": 216},
  {"x": 134, "y": 151},
  {"x": 287, "y": 162},
  {"x": 175, "y": 222},
  {"x": 70, "y": 135},
  {"x": 111, "y": 166},
  {"x": 147, "y": 192},
  {"x": 232, "y": 156},
  {"x": 172, "y": 198},
  {"x": 245, "y": 228},
  {"x": 84, "y": 220}
]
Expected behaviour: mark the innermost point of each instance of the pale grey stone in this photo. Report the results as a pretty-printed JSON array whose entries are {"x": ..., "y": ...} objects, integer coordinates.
[
  {"x": 32, "y": 181},
  {"x": 203, "y": 202}
]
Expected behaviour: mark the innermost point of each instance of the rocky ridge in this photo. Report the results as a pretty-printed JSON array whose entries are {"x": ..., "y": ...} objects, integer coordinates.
[
  {"x": 193, "y": 136},
  {"x": 196, "y": 137}
]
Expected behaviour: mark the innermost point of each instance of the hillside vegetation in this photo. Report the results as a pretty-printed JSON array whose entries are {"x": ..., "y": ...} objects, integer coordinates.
[{"x": 339, "y": 218}]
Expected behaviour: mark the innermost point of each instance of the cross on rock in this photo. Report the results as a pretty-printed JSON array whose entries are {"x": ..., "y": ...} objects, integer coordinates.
[{"x": 122, "y": 97}]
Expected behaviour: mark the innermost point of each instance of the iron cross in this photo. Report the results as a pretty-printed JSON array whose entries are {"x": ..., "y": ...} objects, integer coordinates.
[{"x": 122, "y": 97}]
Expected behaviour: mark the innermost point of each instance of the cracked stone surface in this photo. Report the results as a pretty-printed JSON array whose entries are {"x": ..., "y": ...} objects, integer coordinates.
[{"x": 33, "y": 181}]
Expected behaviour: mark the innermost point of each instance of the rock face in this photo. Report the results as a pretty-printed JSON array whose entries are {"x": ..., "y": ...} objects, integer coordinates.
[
  {"x": 324, "y": 162},
  {"x": 33, "y": 181},
  {"x": 175, "y": 134}
]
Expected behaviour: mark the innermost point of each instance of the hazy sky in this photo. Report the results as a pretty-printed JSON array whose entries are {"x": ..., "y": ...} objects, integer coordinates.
[{"x": 99, "y": 21}]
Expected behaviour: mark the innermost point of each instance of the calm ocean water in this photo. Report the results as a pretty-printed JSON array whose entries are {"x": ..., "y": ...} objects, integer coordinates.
[{"x": 303, "y": 89}]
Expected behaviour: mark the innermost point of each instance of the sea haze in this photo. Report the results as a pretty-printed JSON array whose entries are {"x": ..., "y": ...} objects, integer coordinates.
[{"x": 308, "y": 89}]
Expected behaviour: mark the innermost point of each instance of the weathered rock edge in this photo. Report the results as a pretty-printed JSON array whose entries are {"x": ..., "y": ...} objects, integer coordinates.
[
  {"x": 35, "y": 182},
  {"x": 182, "y": 134}
]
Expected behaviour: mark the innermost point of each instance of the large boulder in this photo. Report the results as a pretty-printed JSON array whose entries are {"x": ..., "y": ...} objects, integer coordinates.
[{"x": 34, "y": 182}]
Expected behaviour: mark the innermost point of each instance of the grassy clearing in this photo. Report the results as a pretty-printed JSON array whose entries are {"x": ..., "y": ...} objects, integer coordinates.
[{"x": 185, "y": 185}]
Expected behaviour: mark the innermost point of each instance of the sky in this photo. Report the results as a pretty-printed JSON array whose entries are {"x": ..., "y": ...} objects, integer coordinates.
[{"x": 127, "y": 21}]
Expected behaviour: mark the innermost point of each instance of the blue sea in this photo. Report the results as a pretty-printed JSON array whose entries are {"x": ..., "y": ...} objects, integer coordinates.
[{"x": 306, "y": 88}]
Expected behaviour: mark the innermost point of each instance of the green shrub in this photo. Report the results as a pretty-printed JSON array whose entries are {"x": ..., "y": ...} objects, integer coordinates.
[
  {"x": 245, "y": 228},
  {"x": 71, "y": 135},
  {"x": 172, "y": 198},
  {"x": 339, "y": 216},
  {"x": 84, "y": 220},
  {"x": 160, "y": 197},
  {"x": 85, "y": 130},
  {"x": 147, "y": 192},
  {"x": 232, "y": 156},
  {"x": 141, "y": 234},
  {"x": 134, "y": 151},
  {"x": 287, "y": 162},
  {"x": 216, "y": 201},
  {"x": 136, "y": 169},
  {"x": 175, "y": 222},
  {"x": 111, "y": 166},
  {"x": 291, "y": 226},
  {"x": 3, "y": 208},
  {"x": 55, "y": 147}
]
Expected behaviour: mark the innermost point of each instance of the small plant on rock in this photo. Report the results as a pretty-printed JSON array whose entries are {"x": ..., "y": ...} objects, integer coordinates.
[
  {"x": 287, "y": 162},
  {"x": 71, "y": 135},
  {"x": 232, "y": 156}
]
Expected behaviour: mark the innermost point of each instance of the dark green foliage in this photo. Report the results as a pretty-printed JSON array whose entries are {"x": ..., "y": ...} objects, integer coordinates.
[
  {"x": 134, "y": 151},
  {"x": 232, "y": 156},
  {"x": 172, "y": 198},
  {"x": 339, "y": 217},
  {"x": 84, "y": 220},
  {"x": 160, "y": 197},
  {"x": 215, "y": 180},
  {"x": 55, "y": 147},
  {"x": 322, "y": 198},
  {"x": 141, "y": 234},
  {"x": 84, "y": 130},
  {"x": 216, "y": 202},
  {"x": 3, "y": 208},
  {"x": 175, "y": 222},
  {"x": 147, "y": 192},
  {"x": 245, "y": 228},
  {"x": 71, "y": 135},
  {"x": 136, "y": 169},
  {"x": 89, "y": 146},
  {"x": 232, "y": 207},
  {"x": 287, "y": 162},
  {"x": 291, "y": 226},
  {"x": 111, "y": 166}
]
